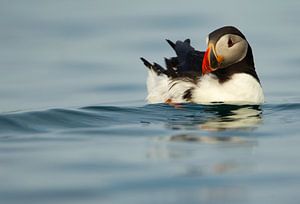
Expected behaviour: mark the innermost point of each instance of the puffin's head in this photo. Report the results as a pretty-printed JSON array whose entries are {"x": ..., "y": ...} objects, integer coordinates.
[{"x": 225, "y": 46}]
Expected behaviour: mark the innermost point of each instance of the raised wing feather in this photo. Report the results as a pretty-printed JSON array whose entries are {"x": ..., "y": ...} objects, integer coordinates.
[{"x": 187, "y": 63}]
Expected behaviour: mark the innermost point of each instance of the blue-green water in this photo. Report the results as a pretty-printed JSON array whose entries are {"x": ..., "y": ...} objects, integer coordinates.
[{"x": 74, "y": 126}]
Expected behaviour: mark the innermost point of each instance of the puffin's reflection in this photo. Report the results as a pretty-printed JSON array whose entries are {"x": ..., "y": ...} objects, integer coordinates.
[
  {"x": 210, "y": 139},
  {"x": 234, "y": 117},
  {"x": 209, "y": 145},
  {"x": 211, "y": 118},
  {"x": 219, "y": 118}
]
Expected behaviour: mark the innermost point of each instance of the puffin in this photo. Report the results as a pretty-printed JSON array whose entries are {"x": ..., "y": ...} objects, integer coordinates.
[{"x": 224, "y": 73}]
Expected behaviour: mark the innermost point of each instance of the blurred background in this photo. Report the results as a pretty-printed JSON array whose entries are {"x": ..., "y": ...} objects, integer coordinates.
[
  {"x": 75, "y": 128},
  {"x": 77, "y": 53}
]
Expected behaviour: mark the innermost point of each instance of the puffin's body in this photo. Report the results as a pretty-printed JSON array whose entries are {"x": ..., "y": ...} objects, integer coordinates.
[{"x": 225, "y": 73}]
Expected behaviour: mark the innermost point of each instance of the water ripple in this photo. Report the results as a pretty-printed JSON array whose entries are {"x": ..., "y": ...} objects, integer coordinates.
[{"x": 188, "y": 116}]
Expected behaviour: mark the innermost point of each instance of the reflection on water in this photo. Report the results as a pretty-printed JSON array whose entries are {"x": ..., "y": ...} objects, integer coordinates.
[
  {"x": 235, "y": 117},
  {"x": 219, "y": 118},
  {"x": 208, "y": 155},
  {"x": 209, "y": 139},
  {"x": 211, "y": 154}
]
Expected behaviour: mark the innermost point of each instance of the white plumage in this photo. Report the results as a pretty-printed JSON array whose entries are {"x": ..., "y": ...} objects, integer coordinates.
[{"x": 240, "y": 89}]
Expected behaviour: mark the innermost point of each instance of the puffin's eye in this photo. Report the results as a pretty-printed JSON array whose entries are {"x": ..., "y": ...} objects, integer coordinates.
[{"x": 230, "y": 43}]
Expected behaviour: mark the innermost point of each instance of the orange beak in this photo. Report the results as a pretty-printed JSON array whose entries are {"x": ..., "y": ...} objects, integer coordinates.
[{"x": 211, "y": 61}]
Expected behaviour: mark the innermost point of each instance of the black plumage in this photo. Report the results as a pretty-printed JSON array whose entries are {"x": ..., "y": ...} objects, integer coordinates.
[{"x": 187, "y": 64}]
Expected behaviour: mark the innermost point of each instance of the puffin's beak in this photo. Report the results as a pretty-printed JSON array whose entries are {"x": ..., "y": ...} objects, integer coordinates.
[{"x": 211, "y": 61}]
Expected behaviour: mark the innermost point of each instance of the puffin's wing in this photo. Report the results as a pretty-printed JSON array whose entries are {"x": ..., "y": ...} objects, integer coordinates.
[{"x": 187, "y": 63}]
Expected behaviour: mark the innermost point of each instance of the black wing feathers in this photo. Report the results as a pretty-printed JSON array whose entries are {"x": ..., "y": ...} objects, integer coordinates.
[
  {"x": 182, "y": 49},
  {"x": 187, "y": 63},
  {"x": 155, "y": 67}
]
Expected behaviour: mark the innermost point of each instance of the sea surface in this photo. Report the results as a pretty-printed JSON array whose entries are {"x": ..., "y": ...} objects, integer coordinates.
[{"x": 75, "y": 126}]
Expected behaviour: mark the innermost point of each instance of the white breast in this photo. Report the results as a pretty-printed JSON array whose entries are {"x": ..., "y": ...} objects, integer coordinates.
[{"x": 240, "y": 89}]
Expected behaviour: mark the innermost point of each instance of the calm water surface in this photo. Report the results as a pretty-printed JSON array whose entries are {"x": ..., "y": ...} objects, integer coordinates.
[{"x": 74, "y": 126}]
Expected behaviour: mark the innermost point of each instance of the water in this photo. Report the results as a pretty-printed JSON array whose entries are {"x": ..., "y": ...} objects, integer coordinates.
[{"x": 74, "y": 126}]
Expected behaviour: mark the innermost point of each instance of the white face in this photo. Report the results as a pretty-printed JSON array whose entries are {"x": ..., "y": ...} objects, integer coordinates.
[{"x": 232, "y": 48}]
